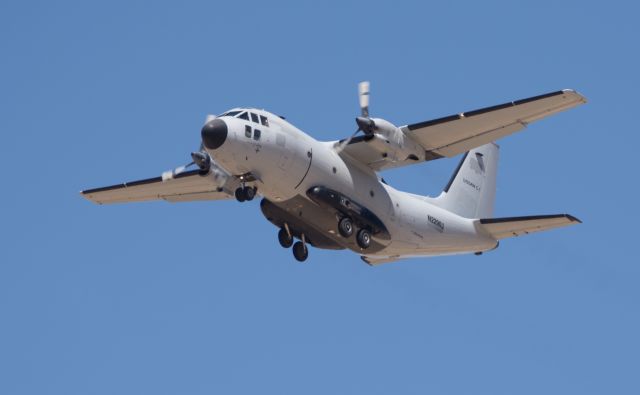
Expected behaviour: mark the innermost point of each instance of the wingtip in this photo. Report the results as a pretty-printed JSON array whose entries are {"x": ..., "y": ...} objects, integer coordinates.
[
  {"x": 575, "y": 92},
  {"x": 573, "y": 219}
]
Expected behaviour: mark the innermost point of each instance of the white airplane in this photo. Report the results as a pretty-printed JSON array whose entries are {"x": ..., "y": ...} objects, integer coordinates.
[{"x": 329, "y": 194}]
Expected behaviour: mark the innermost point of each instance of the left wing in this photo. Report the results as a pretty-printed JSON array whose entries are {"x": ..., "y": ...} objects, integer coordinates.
[
  {"x": 459, "y": 133},
  {"x": 181, "y": 187}
]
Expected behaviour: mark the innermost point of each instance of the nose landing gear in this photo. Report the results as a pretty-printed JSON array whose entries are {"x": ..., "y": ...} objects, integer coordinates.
[{"x": 245, "y": 193}]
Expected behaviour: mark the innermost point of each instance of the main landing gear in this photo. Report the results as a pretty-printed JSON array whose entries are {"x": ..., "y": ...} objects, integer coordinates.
[
  {"x": 285, "y": 238},
  {"x": 300, "y": 249},
  {"x": 363, "y": 238},
  {"x": 245, "y": 193},
  {"x": 346, "y": 228}
]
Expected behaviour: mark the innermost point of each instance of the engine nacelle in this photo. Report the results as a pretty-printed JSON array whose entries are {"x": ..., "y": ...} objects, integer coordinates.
[
  {"x": 218, "y": 175},
  {"x": 393, "y": 143}
]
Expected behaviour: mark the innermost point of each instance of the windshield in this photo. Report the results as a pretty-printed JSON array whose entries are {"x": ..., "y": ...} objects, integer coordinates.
[{"x": 230, "y": 114}]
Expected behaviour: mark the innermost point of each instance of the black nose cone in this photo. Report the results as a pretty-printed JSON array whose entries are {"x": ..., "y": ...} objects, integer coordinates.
[{"x": 214, "y": 133}]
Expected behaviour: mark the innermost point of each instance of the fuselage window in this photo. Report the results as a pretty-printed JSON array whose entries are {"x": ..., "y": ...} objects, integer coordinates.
[
  {"x": 256, "y": 134},
  {"x": 264, "y": 120},
  {"x": 244, "y": 116},
  {"x": 247, "y": 131},
  {"x": 254, "y": 118}
]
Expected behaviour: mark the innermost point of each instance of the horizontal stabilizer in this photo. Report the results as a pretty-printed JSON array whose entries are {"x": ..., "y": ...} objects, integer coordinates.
[
  {"x": 378, "y": 260},
  {"x": 500, "y": 228}
]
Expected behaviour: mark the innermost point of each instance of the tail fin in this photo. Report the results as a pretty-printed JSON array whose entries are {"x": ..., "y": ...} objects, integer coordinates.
[{"x": 471, "y": 190}]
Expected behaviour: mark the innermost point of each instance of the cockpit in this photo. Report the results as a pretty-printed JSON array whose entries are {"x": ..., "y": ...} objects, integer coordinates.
[{"x": 247, "y": 116}]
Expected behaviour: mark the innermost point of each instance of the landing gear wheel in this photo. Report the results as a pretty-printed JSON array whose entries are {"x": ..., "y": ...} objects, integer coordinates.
[
  {"x": 284, "y": 238},
  {"x": 300, "y": 251},
  {"x": 249, "y": 193},
  {"x": 363, "y": 238},
  {"x": 240, "y": 195},
  {"x": 345, "y": 227}
]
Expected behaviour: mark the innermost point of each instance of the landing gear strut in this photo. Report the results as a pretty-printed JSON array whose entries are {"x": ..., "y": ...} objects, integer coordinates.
[{"x": 245, "y": 193}]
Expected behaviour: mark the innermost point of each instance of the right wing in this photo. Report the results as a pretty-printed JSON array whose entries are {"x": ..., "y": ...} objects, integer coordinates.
[
  {"x": 500, "y": 228},
  {"x": 182, "y": 187}
]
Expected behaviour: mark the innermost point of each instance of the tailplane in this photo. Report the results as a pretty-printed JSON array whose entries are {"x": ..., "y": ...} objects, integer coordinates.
[
  {"x": 471, "y": 190},
  {"x": 500, "y": 228}
]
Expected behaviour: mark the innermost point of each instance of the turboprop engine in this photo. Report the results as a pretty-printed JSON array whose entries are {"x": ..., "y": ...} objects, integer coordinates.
[
  {"x": 382, "y": 135},
  {"x": 392, "y": 142}
]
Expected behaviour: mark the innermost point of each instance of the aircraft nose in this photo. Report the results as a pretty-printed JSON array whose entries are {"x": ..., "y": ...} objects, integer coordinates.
[{"x": 214, "y": 133}]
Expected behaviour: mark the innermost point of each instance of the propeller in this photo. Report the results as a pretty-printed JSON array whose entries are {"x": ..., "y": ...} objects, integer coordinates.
[
  {"x": 365, "y": 124},
  {"x": 199, "y": 158}
]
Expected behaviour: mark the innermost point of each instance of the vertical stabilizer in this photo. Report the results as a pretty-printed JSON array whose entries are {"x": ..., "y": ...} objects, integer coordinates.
[{"x": 471, "y": 190}]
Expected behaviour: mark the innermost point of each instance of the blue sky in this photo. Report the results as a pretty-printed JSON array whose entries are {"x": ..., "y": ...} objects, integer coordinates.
[{"x": 200, "y": 298}]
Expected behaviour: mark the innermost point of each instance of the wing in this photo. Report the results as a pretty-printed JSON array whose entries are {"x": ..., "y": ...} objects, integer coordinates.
[
  {"x": 455, "y": 134},
  {"x": 183, "y": 187},
  {"x": 501, "y": 228}
]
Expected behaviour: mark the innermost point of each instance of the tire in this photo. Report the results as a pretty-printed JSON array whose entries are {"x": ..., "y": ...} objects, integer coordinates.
[
  {"x": 285, "y": 240},
  {"x": 300, "y": 251},
  {"x": 240, "y": 196},
  {"x": 345, "y": 227},
  {"x": 363, "y": 238},
  {"x": 249, "y": 193}
]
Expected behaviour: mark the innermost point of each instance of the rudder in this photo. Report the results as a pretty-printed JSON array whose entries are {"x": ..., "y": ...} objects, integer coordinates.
[{"x": 471, "y": 190}]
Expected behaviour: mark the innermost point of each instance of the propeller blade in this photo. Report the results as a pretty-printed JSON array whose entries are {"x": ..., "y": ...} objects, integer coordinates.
[
  {"x": 363, "y": 95},
  {"x": 171, "y": 174},
  {"x": 202, "y": 160},
  {"x": 346, "y": 142}
]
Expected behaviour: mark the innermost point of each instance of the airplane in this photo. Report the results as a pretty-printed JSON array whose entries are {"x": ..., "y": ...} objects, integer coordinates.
[{"x": 329, "y": 194}]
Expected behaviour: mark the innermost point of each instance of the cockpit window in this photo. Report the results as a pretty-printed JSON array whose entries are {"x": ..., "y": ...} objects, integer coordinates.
[
  {"x": 254, "y": 117},
  {"x": 244, "y": 115},
  {"x": 230, "y": 114},
  {"x": 264, "y": 120}
]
